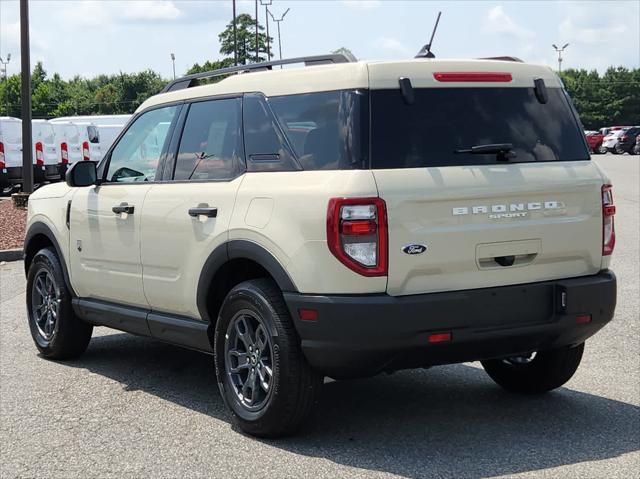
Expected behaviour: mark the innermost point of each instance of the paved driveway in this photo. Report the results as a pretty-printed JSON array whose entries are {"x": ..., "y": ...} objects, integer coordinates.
[{"x": 132, "y": 407}]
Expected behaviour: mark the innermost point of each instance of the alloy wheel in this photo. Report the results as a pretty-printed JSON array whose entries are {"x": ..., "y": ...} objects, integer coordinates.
[
  {"x": 45, "y": 304},
  {"x": 249, "y": 360}
]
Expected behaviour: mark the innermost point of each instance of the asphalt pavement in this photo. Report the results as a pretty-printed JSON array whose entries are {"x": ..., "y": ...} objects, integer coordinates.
[{"x": 134, "y": 407}]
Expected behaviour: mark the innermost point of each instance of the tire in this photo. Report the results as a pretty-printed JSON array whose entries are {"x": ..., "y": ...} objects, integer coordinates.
[
  {"x": 618, "y": 150},
  {"x": 292, "y": 388},
  {"x": 56, "y": 330},
  {"x": 600, "y": 150},
  {"x": 546, "y": 371}
]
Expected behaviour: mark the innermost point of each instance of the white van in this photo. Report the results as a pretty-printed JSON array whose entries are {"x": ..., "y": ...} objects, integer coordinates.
[
  {"x": 45, "y": 152},
  {"x": 107, "y": 134},
  {"x": 10, "y": 153},
  {"x": 69, "y": 138},
  {"x": 95, "y": 119}
]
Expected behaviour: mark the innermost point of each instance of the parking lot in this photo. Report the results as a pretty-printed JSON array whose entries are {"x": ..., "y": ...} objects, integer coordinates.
[{"x": 133, "y": 407}]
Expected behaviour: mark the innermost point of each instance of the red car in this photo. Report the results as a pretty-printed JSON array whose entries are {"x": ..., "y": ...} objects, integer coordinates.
[{"x": 594, "y": 140}]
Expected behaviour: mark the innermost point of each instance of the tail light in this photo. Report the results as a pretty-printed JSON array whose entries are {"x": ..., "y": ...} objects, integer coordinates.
[
  {"x": 64, "y": 153},
  {"x": 2, "y": 163},
  {"x": 39, "y": 154},
  {"x": 624, "y": 138},
  {"x": 473, "y": 77},
  {"x": 85, "y": 150},
  {"x": 357, "y": 234},
  {"x": 608, "y": 228}
]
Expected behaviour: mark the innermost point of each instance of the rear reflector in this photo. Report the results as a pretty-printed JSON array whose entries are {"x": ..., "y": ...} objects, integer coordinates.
[
  {"x": 583, "y": 319},
  {"x": 85, "y": 151},
  {"x": 472, "y": 77},
  {"x": 2, "y": 163},
  {"x": 64, "y": 153},
  {"x": 308, "y": 314},
  {"x": 439, "y": 338}
]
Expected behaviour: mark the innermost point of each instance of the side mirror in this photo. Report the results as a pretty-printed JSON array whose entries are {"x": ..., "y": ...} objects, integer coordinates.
[{"x": 82, "y": 173}]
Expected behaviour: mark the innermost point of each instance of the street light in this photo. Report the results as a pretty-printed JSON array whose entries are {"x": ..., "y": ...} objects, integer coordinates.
[
  {"x": 266, "y": 4},
  {"x": 560, "y": 50},
  {"x": 278, "y": 20},
  {"x": 173, "y": 60},
  {"x": 5, "y": 68}
]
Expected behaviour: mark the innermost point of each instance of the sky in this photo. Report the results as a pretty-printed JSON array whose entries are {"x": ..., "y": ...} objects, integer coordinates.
[{"x": 93, "y": 37}]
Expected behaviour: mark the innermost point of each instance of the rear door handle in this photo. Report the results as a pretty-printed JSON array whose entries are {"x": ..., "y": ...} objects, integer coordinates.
[
  {"x": 203, "y": 211},
  {"x": 123, "y": 208}
]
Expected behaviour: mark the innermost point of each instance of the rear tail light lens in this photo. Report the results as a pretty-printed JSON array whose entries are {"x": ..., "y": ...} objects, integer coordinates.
[
  {"x": 2, "y": 163},
  {"x": 39, "y": 154},
  {"x": 85, "y": 150},
  {"x": 624, "y": 138},
  {"x": 64, "y": 153},
  {"x": 357, "y": 234},
  {"x": 473, "y": 77},
  {"x": 608, "y": 227}
]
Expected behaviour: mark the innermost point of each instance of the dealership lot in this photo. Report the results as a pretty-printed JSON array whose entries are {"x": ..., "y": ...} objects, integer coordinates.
[{"x": 133, "y": 407}]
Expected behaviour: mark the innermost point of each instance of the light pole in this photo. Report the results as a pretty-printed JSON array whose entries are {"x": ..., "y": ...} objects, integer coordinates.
[
  {"x": 235, "y": 35},
  {"x": 560, "y": 50},
  {"x": 266, "y": 4},
  {"x": 278, "y": 20},
  {"x": 173, "y": 61},
  {"x": 6, "y": 86},
  {"x": 257, "y": 34}
]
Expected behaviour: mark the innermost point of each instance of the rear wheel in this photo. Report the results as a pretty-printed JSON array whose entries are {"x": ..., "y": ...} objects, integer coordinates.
[
  {"x": 536, "y": 373},
  {"x": 55, "y": 329},
  {"x": 618, "y": 150},
  {"x": 600, "y": 149},
  {"x": 262, "y": 374}
]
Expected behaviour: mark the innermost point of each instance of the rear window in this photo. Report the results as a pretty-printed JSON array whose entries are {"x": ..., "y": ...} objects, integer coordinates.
[{"x": 441, "y": 121}]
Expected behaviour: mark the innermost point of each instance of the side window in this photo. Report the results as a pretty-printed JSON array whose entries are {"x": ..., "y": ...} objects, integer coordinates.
[
  {"x": 137, "y": 154},
  {"x": 211, "y": 143},
  {"x": 265, "y": 145}
]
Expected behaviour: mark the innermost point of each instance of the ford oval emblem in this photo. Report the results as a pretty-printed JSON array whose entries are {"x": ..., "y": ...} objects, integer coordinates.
[{"x": 414, "y": 249}]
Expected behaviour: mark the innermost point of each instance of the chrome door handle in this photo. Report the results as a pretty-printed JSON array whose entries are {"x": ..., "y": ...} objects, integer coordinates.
[
  {"x": 203, "y": 211},
  {"x": 123, "y": 208}
]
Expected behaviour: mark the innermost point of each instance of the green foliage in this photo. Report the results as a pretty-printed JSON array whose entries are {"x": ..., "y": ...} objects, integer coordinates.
[
  {"x": 53, "y": 96},
  {"x": 605, "y": 100},
  {"x": 246, "y": 34}
]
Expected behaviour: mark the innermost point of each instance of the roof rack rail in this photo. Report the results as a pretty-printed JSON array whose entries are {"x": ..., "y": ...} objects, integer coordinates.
[
  {"x": 190, "y": 80},
  {"x": 503, "y": 59}
]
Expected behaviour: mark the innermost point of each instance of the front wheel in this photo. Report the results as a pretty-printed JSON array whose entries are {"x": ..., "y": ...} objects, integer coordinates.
[
  {"x": 618, "y": 150},
  {"x": 56, "y": 330},
  {"x": 536, "y": 373},
  {"x": 262, "y": 374}
]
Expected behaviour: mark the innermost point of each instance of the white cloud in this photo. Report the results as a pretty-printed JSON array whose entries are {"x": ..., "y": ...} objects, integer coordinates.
[
  {"x": 498, "y": 22},
  {"x": 389, "y": 46},
  {"x": 363, "y": 4},
  {"x": 592, "y": 35},
  {"x": 151, "y": 10}
]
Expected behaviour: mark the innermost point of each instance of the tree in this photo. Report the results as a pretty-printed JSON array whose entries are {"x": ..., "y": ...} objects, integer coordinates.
[{"x": 246, "y": 34}]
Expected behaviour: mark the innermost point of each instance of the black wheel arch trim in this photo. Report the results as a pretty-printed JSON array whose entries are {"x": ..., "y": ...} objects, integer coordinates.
[
  {"x": 40, "y": 228},
  {"x": 239, "y": 249}
]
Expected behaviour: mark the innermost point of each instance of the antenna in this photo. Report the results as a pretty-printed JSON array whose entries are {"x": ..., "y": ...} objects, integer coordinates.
[{"x": 425, "y": 52}]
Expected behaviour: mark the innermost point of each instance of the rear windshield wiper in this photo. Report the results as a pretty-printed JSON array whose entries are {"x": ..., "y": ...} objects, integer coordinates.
[{"x": 504, "y": 151}]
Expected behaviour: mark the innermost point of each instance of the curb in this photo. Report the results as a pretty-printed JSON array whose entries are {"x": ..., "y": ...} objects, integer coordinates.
[{"x": 11, "y": 255}]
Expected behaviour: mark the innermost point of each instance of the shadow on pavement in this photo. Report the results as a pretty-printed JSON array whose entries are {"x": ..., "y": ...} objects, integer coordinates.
[{"x": 449, "y": 421}]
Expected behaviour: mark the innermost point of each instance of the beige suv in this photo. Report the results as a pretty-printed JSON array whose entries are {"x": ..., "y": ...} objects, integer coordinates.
[{"x": 336, "y": 220}]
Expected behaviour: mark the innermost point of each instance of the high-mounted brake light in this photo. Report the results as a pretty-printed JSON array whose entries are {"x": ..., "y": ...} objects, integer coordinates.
[
  {"x": 472, "y": 77},
  {"x": 85, "y": 150},
  {"x": 2, "y": 163},
  {"x": 39, "y": 154},
  {"x": 608, "y": 227},
  {"x": 357, "y": 234},
  {"x": 64, "y": 153}
]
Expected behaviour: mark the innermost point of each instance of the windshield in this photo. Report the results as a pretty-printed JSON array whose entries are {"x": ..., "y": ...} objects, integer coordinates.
[{"x": 442, "y": 121}]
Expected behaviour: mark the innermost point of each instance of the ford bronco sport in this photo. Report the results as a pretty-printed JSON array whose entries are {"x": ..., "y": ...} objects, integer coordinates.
[{"x": 338, "y": 220}]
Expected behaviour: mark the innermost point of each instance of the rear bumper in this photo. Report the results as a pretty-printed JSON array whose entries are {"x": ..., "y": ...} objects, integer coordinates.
[{"x": 366, "y": 334}]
